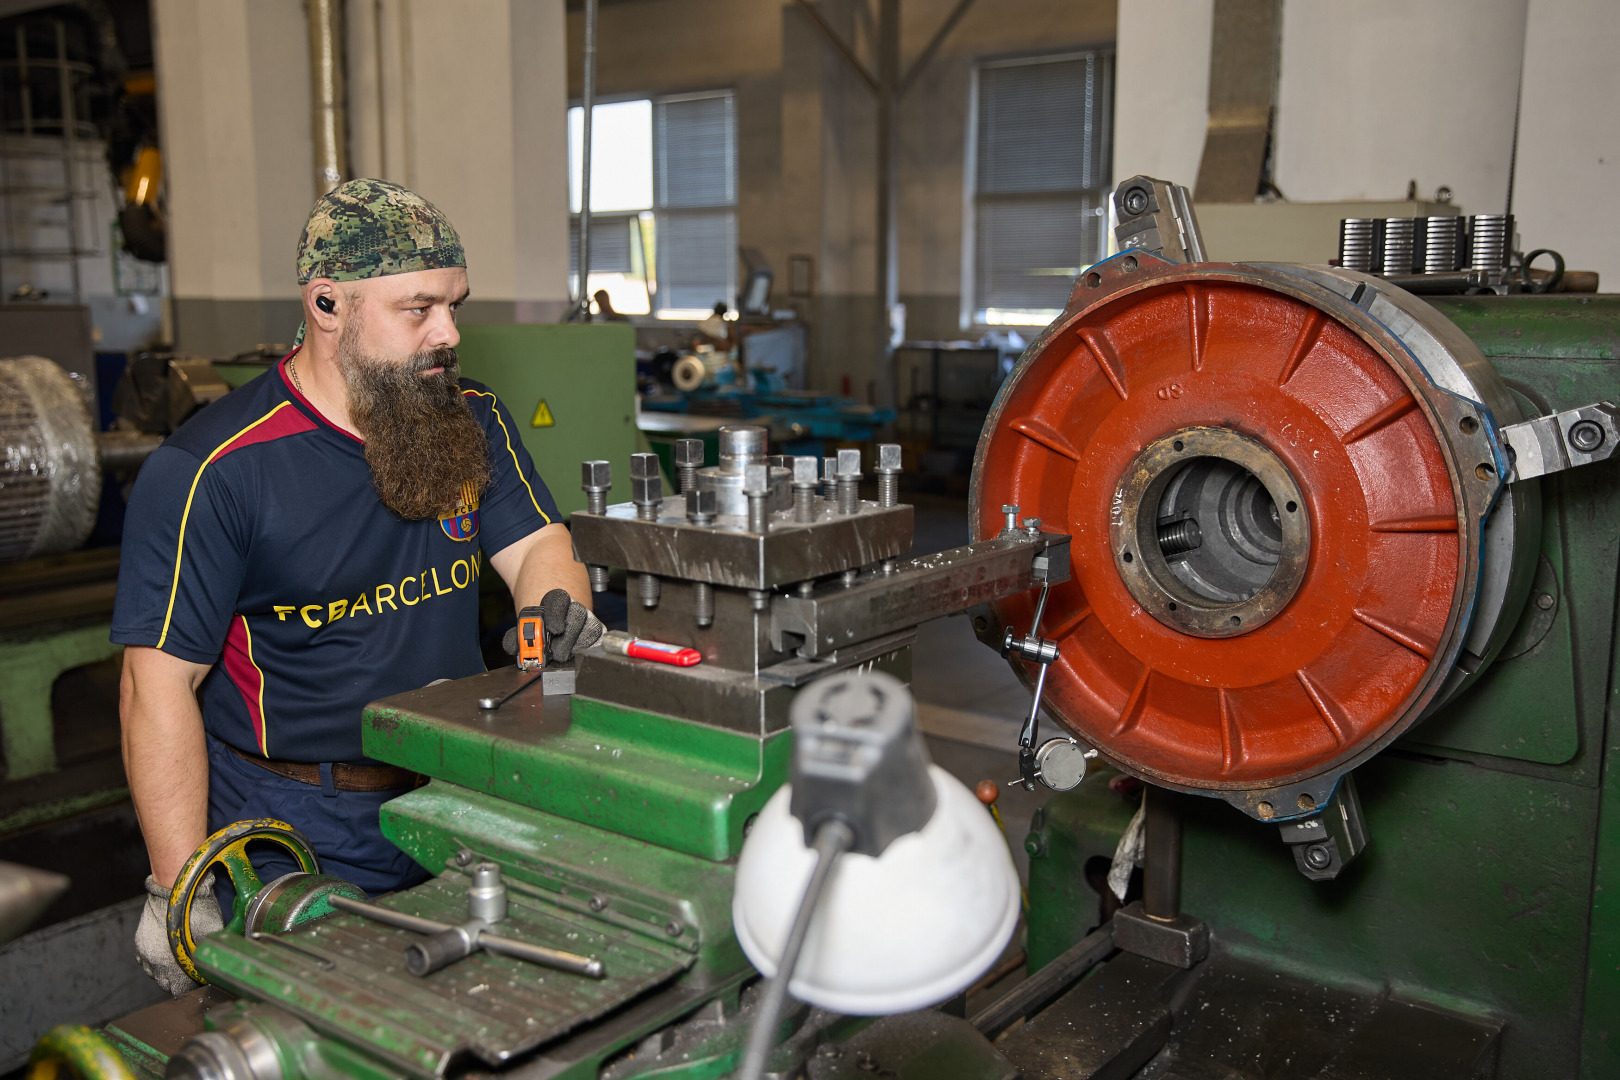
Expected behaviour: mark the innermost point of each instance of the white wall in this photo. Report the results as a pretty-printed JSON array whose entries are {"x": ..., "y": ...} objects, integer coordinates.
[
  {"x": 464, "y": 103},
  {"x": 1379, "y": 92},
  {"x": 1161, "y": 88},
  {"x": 233, "y": 84},
  {"x": 1569, "y": 135}
]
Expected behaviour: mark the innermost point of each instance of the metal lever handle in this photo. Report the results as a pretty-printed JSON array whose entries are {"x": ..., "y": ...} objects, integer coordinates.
[{"x": 1037, "y": 649}]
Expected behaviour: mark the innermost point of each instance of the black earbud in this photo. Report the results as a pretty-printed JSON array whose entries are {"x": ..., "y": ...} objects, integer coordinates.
[{"x": 325, "y": 304}]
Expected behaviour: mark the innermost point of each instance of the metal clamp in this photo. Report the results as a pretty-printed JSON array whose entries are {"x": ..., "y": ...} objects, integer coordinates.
[{"x": 1550, "y": 444}]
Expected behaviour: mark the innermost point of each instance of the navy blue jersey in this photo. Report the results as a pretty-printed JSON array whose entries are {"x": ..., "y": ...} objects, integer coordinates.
[{"x": 255, "y": 542}]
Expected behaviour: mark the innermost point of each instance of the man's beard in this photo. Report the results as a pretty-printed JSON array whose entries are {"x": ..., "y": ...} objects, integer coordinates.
[{"x": 426, "y": 450}]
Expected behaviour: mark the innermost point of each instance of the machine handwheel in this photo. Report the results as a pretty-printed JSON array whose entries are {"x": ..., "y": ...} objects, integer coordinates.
[{"x": 228, "y": 849}]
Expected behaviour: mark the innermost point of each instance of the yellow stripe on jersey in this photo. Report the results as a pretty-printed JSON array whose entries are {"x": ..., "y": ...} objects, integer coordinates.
[
  {"x": 264, "y": 721},
  {"x": 492, "y": 403},
  {"x": 180, "y": 546}
]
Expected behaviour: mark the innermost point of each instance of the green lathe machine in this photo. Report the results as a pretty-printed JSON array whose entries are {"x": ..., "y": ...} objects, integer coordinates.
[{"x": 1325, "y": 578}]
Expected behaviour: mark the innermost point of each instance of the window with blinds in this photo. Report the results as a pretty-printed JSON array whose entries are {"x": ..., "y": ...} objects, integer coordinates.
[
  {"x": 680, "y": 247},
  {"x": 1040, "y": 145}
]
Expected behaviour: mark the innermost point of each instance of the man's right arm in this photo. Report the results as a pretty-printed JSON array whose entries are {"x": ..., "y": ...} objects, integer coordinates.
[{"x": 165, "y": 755}]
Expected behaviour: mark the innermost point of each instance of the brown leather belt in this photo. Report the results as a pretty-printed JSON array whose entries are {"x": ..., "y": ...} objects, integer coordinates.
[{"x": 344, "y": 777}]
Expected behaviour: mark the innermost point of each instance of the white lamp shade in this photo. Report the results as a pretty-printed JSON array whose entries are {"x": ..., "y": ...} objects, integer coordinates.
[{"x": 902, "y": 931}]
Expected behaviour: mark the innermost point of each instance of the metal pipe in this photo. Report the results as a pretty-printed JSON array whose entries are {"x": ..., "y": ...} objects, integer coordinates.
[
  {"x": 1161, "y": 855},
  {"x": 587, "y": 99},
  {"x": 888, "y": 188},
  {"x": 328, "y": 116}
]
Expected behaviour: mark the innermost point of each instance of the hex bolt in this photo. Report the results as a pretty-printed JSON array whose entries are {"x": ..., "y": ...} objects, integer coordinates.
[
  {"x": 702, "y": 603},
  {"x": 1585, "y": 436},
  {"x": 646, "y": 486},
  {"x": 700, "y": 507},
  {"x": 596, "y": 481},
  {"x": 804, "y": 489},
  {"x": 1032, "y": 525},
  {"x": 1318, "y": 857},
  {"x": 650, "y": 589},
  {"x": 829, "y": 476},
  {"x": 688, "y": 460},
  {"x": 1011, "y": 510},
  {"x": 757, "y": 488},
  {"x": 849, "y": 481},
  {"x": 888, "y": 474}
]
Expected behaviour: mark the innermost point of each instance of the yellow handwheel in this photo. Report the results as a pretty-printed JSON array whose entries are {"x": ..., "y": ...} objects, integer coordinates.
[
  {"x": 75, "y": 1051},
  {"x": 228, "y": 848}
]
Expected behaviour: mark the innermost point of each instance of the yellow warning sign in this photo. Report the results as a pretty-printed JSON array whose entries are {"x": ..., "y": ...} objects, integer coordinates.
[{"x": 542, "y": 415}]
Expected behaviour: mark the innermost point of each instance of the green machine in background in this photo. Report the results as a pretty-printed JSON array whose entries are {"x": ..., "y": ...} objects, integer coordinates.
[{"x": 571, "y": 388}]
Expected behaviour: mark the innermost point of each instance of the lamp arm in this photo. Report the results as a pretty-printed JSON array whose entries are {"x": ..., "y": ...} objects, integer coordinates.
[{"x": 833, "y": 838}]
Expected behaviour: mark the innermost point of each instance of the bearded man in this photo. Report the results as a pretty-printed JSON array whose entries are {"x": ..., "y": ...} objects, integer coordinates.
[{"x": 310, "y": 543}]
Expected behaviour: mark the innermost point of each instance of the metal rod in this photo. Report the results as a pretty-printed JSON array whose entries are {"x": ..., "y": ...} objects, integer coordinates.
[
  {"x": 588, "y": 966},
  {"x": 505, "y": 946},
  {"x": 376, "y": 913},
  {"x": 832, "y": 840},
  {"x": 888, "y": 191},
  {"x": 1161, "y": 855},
  {"x": 490, "y": 704},
  {"x": 588, "y": 103}
]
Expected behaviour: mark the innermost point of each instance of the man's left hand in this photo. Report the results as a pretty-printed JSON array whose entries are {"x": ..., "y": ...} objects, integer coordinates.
[{"x": 569, "y": 626}]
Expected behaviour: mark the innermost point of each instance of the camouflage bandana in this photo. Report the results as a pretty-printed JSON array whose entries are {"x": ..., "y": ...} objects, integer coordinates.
[{"x": 374, "y": 228}]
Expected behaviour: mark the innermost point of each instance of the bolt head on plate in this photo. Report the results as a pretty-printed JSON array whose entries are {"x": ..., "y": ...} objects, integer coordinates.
[
  {"x": 804, "y": 472},
  {"x": 596, "y": 474},
  {"x": 849, "y": 463},
  {"x": 757, "y": 480},
  {"x": 643, "y": 466},
  {"x": 688, "y": 452},
  {"x": 888, "y": 457},
  {"x": 646, "y": 489},
  {"x": 1586, "y": 436},
  {"x": 700, "y": 504}
]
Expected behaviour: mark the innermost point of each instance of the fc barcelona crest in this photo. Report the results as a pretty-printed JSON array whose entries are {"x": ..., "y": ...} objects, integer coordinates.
[{"x": 463, "y": 524}]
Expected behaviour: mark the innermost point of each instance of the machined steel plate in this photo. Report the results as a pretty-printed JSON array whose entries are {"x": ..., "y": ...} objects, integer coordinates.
[
  {"x": 726, "y": 553},
  {"x": 345, "y": 975}
]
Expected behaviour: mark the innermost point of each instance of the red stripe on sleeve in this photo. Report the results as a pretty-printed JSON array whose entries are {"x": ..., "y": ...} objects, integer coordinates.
[{"x": 246, "y": 676}]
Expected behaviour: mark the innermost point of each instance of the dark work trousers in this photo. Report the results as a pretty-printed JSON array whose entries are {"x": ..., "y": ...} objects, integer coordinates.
[{"x": 341, "y": 825}]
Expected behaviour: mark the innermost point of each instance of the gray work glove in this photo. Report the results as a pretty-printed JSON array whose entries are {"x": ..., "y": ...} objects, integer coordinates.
[
  {"x": 152, "y": 935},
  {"x": 569, "y": 625}
]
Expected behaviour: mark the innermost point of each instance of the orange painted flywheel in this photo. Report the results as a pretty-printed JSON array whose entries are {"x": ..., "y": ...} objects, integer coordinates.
[{"x": 1276, "y": 516}]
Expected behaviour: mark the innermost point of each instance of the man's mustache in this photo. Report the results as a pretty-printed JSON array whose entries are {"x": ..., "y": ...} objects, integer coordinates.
[{"x": 444, "y": 357}]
